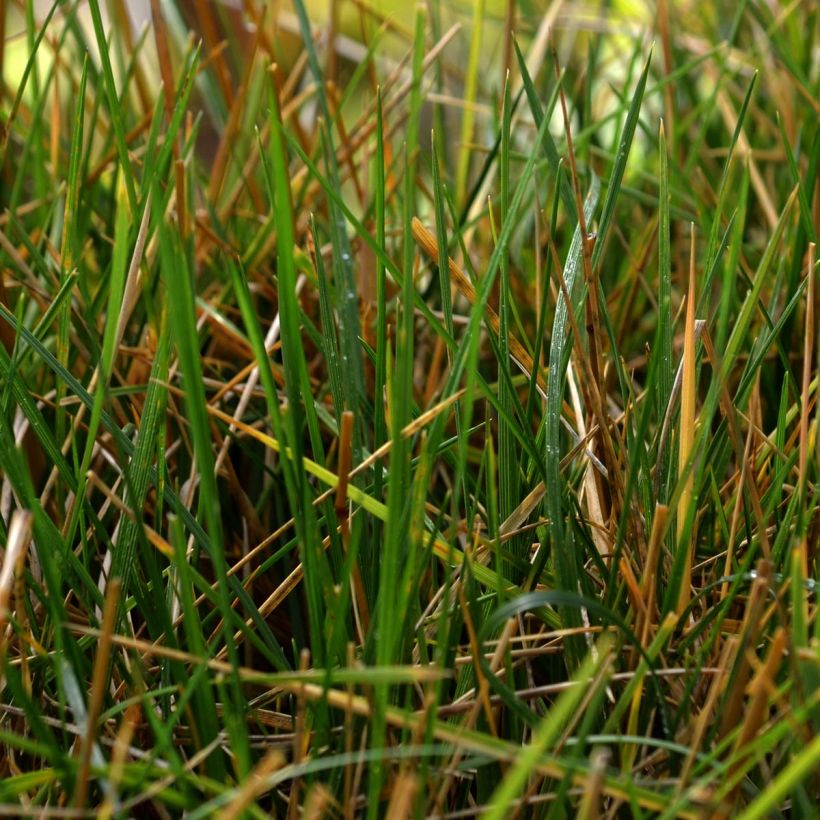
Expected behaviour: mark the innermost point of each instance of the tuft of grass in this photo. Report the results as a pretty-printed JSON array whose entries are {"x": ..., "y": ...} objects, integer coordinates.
[{"x": 408, "y": 415}]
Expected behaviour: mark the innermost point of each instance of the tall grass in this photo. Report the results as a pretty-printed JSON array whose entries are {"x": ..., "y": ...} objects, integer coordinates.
[{"x": 424, "y": 425}]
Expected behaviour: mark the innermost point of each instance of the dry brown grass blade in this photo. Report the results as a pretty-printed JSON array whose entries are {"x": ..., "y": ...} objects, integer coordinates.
[
  {"x": 133, "y": 281},
  {"x": 165, "y": 69},
  {"x": 668, "y": 64},
  {"x": 124, "y": 27},
  {"x": 253, "y": 785},
  {"x": 590, "y": 807},
  {"x": 633, "y": 589},
  {"x": 403, "y": 791},
  {"x": 210, "y": 29},
  {"x": 523, "y": 511},
  {"x": 669, "y": 415},
  {"x": 227, "y": 139},
  {"x": 344, "y": 466},
  {"x": 319, "y": 803},
  {"x": 98, "y": 686},
  {"x": 687, "y": 429},
  {"x": 650, "y": 573},
  {"x": 148, "y": 650},
  {"x": 119, "y": 755}
]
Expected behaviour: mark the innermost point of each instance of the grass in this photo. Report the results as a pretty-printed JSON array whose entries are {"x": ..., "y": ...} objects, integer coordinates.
[{"x": 425, "y": 427}]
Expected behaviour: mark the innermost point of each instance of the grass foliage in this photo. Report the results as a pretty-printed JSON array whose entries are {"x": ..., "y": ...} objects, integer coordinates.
[{"x": 421, "y": 426}]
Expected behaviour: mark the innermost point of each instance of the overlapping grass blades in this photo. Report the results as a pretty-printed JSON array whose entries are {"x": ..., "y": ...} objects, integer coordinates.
[{"x": 392, "y": 425}]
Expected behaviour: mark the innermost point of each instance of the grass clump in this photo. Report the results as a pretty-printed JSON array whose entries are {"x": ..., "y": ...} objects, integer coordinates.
[{"x": 409, "y": 416}]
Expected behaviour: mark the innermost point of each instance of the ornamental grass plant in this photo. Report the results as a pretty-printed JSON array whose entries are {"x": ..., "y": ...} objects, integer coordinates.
[{"x": 409, "y": 412}]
